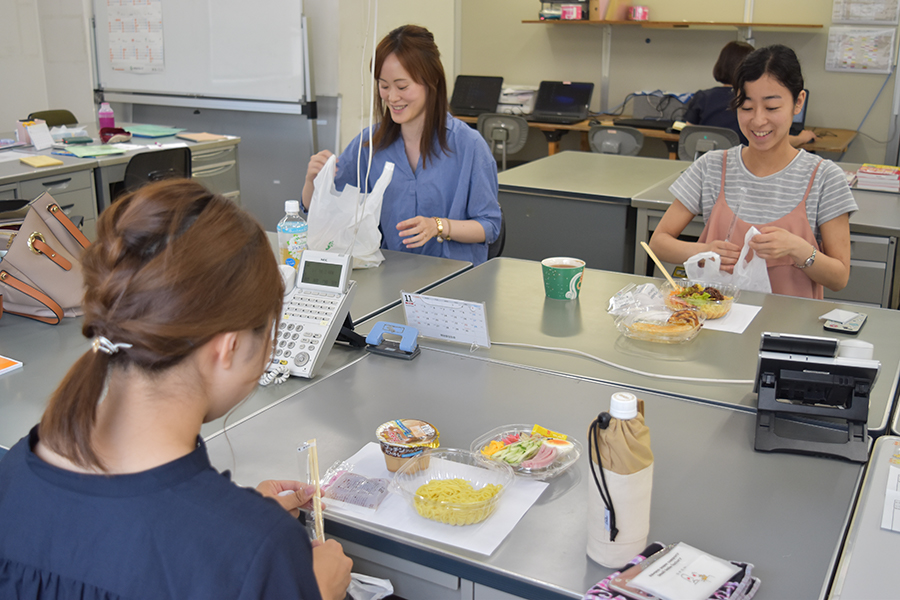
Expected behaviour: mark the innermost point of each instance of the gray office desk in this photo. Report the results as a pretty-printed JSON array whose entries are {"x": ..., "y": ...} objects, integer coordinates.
[
  {"x": 785, "y": 514},
  {"x": 874, "y": 230},
  {"x": 71, "y": 184},
  {"x": 577, "y": 204},
  {"x": 48, "y": 351},
  {"x": 868, "y": 563},
  {"x": 518, "y": 311}
]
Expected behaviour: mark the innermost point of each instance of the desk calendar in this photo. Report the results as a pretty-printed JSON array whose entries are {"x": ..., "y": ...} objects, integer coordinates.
[{"x": 446, "y": 319}]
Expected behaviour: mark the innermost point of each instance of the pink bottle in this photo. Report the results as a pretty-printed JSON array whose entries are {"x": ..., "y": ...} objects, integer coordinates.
[{"x": 106, "y": 115}]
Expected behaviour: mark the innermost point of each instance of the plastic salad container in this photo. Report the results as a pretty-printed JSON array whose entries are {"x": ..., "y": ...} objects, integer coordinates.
[
  {"x": 472, "y": 486},
  {"x": 712, "y": 309},
  {"x": 524, "y": 459}
]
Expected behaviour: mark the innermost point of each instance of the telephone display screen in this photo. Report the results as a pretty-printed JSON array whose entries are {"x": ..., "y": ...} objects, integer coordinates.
[{"x": 327, "y": 274}]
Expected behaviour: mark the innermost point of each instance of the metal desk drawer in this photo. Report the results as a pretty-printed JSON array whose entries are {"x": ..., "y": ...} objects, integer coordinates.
[{"x": 58, "y": 184}]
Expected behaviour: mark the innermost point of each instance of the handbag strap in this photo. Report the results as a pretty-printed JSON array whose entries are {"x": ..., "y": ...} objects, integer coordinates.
[
  {"x": 39, "y": 245},
  {"x": 64, "y": 220},
  {"x": 56, "y": 309}
]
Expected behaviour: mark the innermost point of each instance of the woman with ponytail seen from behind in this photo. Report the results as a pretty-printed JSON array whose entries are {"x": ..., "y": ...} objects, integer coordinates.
[{"x": 112, "y": 495}]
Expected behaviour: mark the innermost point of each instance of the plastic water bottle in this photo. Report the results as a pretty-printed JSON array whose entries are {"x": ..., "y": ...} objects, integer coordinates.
[
  {"x": 292, "y": 231},
  {"x": 618, "y": 519},
  {"x": 106, "y": 115}
]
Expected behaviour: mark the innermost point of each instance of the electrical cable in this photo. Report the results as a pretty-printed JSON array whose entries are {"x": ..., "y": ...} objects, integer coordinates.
[{"x": 628, "y": 369}]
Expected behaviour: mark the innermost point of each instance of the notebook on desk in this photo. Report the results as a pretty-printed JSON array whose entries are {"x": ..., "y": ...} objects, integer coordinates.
[
  {"x": 562, "y": 102},
  {"x": 800, "y": 118},
  {"x": 474, "y": 95}
]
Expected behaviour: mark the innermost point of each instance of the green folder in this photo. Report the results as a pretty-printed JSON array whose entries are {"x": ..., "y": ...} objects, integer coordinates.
[
  {"x": 151, "y": 131},
  {"x": 92, "y": 151}
]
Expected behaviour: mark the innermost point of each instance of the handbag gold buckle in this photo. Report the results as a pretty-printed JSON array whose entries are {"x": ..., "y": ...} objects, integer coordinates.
[{"x": 37, "y": 235}]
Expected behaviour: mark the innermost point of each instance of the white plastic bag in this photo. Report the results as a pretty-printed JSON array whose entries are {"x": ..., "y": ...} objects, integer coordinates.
[
  {"x": 752, "y": 275},
  {"x": 333, "y": 217},
  {"x": 365, "y": 587}
]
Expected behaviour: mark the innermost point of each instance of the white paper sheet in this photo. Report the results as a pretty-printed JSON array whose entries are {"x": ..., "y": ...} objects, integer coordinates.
[
  {"x": 736, "y": 321},
  {"x": 397, "y": 513},
  {"x": 8, "y": 155},
  {"x": 890, "y": 518}
]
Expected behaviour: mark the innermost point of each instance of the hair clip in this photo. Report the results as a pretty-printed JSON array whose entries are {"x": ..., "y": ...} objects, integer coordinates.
[{"x": 104, "y": 345}]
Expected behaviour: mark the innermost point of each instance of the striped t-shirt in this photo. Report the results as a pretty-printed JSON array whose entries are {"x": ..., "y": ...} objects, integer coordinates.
[{"x": 761, "y": 200}]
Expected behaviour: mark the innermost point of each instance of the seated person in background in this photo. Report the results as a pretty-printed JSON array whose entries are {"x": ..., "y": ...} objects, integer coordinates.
[
  {"x": 800, "y": 203},
  {"x": 712, "y": 107},
  {"x": 116, "y": 498},
  {"x": 444, "y": 173}
]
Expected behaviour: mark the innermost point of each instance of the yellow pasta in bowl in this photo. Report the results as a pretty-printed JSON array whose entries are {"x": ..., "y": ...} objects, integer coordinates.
[{"x": 451, "y": 486}]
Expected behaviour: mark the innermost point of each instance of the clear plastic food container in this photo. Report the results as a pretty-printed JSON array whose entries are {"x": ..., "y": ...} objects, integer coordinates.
[
  {"x": 661, "y": 325},
  {"x": 567, "y": 454},
  {"x": 712, "y": 309},
  {"x": 451, "y": 466}
]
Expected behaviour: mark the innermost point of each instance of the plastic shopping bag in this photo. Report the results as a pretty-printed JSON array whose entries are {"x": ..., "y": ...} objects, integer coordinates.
[
  {"x": 752, "y": 275},
  {"x": 333, "y": 217}
]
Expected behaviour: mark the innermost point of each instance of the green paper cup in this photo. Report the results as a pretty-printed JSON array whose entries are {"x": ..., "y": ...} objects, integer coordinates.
[{"x": 562, "y": 277}]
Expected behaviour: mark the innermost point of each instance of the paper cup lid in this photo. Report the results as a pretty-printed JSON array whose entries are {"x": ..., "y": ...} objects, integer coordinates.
[{"x": 623, "y": 406}]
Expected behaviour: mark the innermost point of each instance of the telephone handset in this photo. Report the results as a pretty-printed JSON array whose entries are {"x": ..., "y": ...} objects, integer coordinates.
[{"x": 314, "y": 311}]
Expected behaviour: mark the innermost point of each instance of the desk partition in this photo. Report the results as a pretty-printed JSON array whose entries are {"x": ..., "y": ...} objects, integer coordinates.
[{"x": 785, "y": 514}]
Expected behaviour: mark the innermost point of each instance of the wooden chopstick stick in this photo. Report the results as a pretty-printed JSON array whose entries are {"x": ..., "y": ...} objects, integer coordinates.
[{"x": 317, "y": 498}]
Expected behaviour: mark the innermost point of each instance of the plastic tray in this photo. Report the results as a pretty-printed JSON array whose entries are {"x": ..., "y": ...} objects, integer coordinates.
[
  {"x": 556, "y": 468},
  {"x": 650, "y": 324}
]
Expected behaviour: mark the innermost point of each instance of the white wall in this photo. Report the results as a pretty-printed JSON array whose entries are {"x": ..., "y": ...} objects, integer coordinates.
[{"x": 21, "y": 62}]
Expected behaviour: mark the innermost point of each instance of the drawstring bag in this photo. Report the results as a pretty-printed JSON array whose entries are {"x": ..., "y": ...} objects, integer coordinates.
[
  {"x": 40, "y": 276},
  {"x": 752, "y": 275},
  {"x": 621, "y": 464},
  {"x": 337, "y": 218}
]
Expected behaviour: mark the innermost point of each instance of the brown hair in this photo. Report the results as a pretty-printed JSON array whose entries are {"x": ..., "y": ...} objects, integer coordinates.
[
  {"x": 173, "y": 266},
  {"x": 729, "y": 60},
  {"x": 415, "y": 49}
]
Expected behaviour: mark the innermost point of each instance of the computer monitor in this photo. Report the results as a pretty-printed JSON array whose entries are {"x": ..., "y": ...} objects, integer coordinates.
[
  {"x": 474, "y": 95},
  {"x": 800, "y": 118}
]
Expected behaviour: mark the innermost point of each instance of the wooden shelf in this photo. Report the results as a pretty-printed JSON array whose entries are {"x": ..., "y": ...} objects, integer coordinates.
[{"x": 680, "y": 24}]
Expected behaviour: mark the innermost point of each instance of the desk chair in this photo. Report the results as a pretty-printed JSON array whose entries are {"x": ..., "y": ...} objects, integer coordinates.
[
  {"x": 697, "y": 140},
  {"x": 54, "y": 118},
  {"x": 155, "y": 165},
  {"x": 604, "y": 139},
  {"x": 508, "y": 133},
  {"x": 495, "y": 248}
]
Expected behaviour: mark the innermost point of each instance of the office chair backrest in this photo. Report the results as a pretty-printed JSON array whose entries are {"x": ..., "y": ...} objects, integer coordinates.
[
  {"x": 697, "y": 140},
  {"x": 155, "y": 165},
  {"x": 506, "y": 134},
  {"x": 54, "y": 118},
  {"x": 615, "y": 140},
  {"x": 495, "y": 248}
]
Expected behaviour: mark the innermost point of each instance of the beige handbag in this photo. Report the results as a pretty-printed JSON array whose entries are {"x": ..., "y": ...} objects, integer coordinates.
[{"x": 40, "y": 276}]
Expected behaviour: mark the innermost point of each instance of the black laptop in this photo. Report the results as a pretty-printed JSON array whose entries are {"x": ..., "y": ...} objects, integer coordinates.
[
  {"x": 474, "y": 95},
  {"x": 800, "y": 118},
  {"x": 562, "y": 102}
]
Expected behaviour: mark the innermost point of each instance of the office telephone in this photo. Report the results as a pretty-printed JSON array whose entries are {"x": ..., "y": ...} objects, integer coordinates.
[{"x": 314, "y": 311}]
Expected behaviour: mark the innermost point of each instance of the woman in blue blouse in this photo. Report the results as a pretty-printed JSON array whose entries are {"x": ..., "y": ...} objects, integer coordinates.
[{"x": 442, "y": 199}]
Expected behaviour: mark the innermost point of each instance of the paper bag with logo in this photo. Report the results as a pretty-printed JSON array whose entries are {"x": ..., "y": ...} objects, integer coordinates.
[
  {"x": 752, "y": 275},
  {"x": 40, "y": 276},
  {"x": 333, "y": 217}
]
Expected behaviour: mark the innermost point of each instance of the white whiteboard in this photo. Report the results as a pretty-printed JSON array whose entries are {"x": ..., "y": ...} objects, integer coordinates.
[{"x": 250, "y": 50}]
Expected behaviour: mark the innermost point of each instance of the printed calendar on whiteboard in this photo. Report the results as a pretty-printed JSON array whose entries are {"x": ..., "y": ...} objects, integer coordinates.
[{"x": 447, "y": 319}]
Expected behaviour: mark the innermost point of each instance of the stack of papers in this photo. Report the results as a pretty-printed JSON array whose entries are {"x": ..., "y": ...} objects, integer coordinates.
[
  {"x": 40, "y": 160},
  {"x": 884, "y": 178},
  {"x": 152, "y": 131},
  {"x": 89, "y": 151}
]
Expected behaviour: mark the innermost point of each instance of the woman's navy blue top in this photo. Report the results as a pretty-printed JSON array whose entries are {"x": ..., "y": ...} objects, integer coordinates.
[
  {"x": 181, "y": 530},
  {"x": 710, "y": 107}
]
